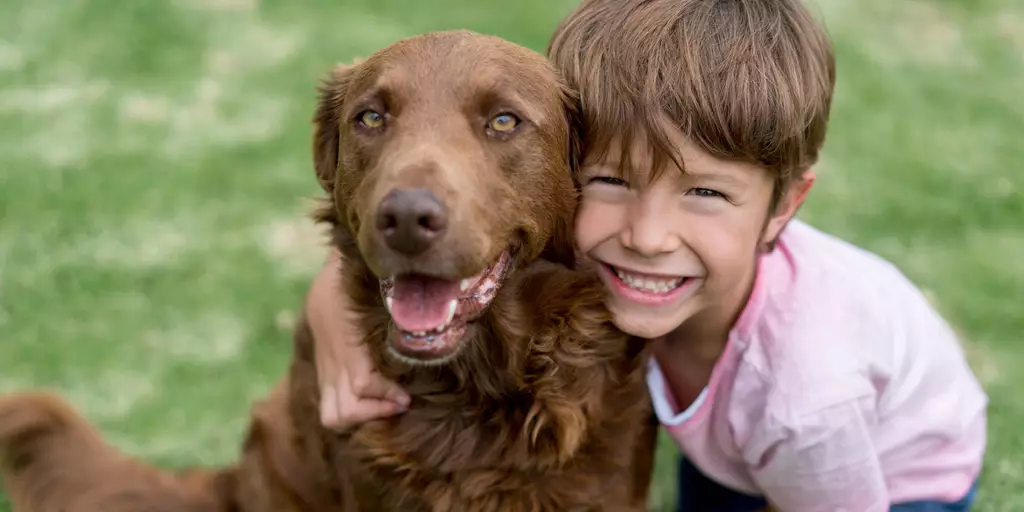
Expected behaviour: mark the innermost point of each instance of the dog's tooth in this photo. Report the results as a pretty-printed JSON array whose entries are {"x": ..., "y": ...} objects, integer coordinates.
[
  {"x": 439, "y": 329},
  {"x": 452, "y": 306},
  {"x": 464, "y": 285},
  {"x": 388, "y": 301}
]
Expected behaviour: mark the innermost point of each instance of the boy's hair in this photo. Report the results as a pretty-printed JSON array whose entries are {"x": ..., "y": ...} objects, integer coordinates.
[{"x": 746, "y": 80}]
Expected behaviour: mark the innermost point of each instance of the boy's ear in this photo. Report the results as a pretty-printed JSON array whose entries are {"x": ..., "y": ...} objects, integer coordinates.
[
  {"x": 327, "y": 122},
  {"x": 788, "y": 205}
]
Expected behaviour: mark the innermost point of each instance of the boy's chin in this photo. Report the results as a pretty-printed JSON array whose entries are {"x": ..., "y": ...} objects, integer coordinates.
[{"x": 641, "y": 325}]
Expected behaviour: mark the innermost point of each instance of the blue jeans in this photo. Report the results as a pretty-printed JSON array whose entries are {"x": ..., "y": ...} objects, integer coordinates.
[{"x": 698, "y": 493}]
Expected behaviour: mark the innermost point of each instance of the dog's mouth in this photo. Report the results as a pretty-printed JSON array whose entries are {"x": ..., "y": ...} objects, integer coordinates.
[{"x": 431, "y": 314}]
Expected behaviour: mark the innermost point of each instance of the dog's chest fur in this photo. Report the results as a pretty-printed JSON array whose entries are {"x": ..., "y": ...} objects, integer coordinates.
[{"x": 546, "y": 410}]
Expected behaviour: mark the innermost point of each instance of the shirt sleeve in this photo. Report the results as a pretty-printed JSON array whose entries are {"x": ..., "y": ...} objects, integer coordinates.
[{"x": 822, "y": 462}]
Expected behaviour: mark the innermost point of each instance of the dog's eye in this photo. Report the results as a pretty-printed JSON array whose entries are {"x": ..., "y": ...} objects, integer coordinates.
[
  {"x": 503, "y": 123},
  {"x": 371, "y": 119}
]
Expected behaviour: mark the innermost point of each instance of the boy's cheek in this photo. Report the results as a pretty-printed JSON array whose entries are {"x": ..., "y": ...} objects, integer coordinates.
[
  {"x": 594, "y": 222},
  {"x": 582, "y": 232}
]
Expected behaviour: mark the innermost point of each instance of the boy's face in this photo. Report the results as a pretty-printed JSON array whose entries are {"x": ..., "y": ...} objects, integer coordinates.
[{"x": 681, "y": 247}]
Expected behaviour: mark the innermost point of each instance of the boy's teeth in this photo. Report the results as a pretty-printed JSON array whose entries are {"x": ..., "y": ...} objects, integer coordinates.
[
  {"x": 648, "y": 284},
  {"x": 388, "y": 301},
  {"x": 464, "y": 285}
]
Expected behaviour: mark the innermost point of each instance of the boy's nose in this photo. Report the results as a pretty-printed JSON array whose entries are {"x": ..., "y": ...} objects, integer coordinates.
[{"x": 649, "y": 234}]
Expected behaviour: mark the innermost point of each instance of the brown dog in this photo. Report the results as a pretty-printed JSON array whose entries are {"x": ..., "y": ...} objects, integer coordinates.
[{"x": 447, "y": 158}]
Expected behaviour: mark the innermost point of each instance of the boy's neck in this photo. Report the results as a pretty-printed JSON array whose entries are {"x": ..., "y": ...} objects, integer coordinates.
[
  {"x": 688, "y": 355},
  {"x": 704, "y": 336}
]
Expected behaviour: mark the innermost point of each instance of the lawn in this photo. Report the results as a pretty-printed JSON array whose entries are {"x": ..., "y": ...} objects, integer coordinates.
[{"x": 155, "y": 178}]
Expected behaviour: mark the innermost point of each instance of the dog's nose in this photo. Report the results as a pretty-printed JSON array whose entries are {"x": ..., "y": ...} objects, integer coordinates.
[{"x": 411, "y": 219}]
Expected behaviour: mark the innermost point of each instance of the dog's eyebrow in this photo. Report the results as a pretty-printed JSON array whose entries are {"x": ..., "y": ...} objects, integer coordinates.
[
  {"x": 378, "y": 96},
  {"x": 501, "y": 94}
]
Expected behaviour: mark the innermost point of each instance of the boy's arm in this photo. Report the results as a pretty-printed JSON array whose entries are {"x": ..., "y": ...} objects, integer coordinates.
[
  {"x": 351, "y": 391},
  {"x": 822, "y": 462}
]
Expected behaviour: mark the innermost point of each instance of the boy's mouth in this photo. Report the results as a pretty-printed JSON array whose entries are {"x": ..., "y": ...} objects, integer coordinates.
[
  {"x": 648, "y": 283},
  {"x": 646, "y": 288}
]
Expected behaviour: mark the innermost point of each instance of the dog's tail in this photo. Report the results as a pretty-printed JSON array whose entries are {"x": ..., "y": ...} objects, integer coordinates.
[{"x": 53, "y": 460}]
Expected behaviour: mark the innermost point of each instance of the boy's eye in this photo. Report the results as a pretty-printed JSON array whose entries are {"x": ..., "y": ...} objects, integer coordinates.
[
  {"x": 608, "y": 180},
  {"x": 704, "y": 192}
]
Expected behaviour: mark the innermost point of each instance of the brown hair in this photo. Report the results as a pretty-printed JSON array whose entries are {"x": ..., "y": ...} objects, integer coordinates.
[{"x": 746, "y": 80}]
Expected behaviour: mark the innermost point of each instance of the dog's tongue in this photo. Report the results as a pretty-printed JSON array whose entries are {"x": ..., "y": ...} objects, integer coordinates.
[{"x": 422, "y": 303}]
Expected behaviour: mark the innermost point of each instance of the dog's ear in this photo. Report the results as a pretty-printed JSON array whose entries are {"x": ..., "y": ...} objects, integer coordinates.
[
  {"x": 561, "y": 248},
  {"x": 574, "y": 115},
  {"x": 327, "y": 122}
]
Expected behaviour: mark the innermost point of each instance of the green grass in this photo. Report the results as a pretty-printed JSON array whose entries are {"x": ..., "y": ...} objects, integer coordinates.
[{"x": 155, "y": 171}]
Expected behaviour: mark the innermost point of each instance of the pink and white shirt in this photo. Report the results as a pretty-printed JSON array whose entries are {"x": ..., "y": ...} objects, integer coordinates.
[{"x": 840, "y": 388}]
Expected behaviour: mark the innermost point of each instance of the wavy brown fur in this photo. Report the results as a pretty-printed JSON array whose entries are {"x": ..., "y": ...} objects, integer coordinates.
[
  {"x": 544, "y": 409},
  {"x": 54, "y": 461},
  {"x": 562, "y": 423}
]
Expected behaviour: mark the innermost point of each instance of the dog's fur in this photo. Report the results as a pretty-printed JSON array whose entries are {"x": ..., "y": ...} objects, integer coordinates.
[{"x": 543, "y": 408}]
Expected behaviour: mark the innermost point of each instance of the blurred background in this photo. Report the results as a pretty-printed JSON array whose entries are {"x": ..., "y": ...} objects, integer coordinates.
[{"x": 155, "y": 180}]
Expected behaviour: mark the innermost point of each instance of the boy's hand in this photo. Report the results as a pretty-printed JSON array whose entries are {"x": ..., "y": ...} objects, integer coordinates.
[
  {"x": 356, "y": 394},
  {"x": 351, "y": 392}
]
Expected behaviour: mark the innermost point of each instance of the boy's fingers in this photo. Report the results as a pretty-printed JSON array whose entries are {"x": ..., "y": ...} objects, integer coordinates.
[
  {"x": 371, "y": 385},
  {"x": 342, "y": 409},
  {"x": 396, "y": 394},
  {"x": 369, "y": 409}
]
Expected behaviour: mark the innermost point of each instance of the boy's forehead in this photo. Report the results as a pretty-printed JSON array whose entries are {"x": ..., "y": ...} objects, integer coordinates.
[{"x": 634, "y": 148}]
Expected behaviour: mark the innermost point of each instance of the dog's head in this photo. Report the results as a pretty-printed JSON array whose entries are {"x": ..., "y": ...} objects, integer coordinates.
[{"x": 448, "y": 158}]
